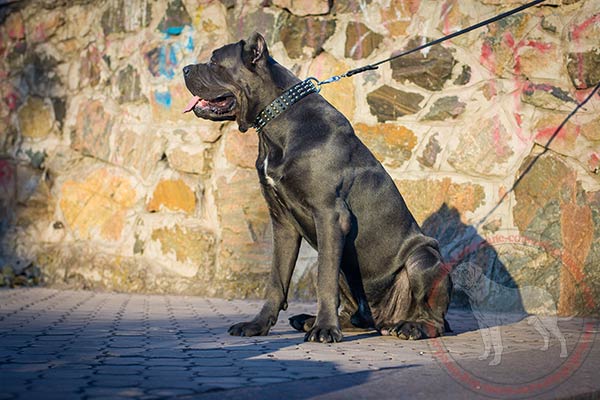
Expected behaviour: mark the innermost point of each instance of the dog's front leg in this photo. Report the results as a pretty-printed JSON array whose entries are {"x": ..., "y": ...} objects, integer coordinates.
[
  {"x": 286, "y": 245},
  {"x": 332, "y": 229}
]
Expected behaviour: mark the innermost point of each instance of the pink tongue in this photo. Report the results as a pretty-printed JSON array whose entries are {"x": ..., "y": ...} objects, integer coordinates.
[{"x": 190, "y": 106}]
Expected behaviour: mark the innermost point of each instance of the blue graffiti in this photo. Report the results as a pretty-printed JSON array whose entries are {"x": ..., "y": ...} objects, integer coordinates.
[
  {"x": 174, "y": 30},
  {"x": 163, "y": 98},
  {"x": 189, "y": 45},
  {"x": 165, "y": 59}
]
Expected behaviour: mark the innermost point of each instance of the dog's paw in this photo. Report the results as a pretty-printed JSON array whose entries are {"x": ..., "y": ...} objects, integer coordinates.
[
  {"x": 409, "y": 330},
  {"x": 249, "y": 329},
  {"x": 324, "y": 334},
  {"x": 302, "y": 322}
]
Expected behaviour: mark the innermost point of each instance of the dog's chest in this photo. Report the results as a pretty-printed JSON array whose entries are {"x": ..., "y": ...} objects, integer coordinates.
[{"x": 265, "y": 172}]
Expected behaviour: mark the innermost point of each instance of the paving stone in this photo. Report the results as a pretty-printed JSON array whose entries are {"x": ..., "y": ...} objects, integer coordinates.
[
  {"x": 120, "y": 369},
  {"x": 117, "y": 381},
  {"x": 169, "y": 383},
  {"x": 112, "y": 392},
  {"x": 186, "y": 349}
]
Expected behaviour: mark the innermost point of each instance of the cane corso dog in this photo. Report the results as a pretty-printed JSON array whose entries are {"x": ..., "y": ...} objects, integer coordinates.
[{"x": 376, "y": 269}]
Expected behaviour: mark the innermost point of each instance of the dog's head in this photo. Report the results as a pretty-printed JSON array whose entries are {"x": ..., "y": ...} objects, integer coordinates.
[
  {"x": 466, "y": 276},
  {"x": 224, "y": 88}
]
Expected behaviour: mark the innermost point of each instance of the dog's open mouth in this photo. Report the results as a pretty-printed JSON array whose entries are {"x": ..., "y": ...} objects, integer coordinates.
[{"x": 219, "y": 106}]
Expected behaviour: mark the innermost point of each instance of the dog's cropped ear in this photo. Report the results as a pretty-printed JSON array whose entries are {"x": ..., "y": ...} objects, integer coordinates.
[{"x": 255, "y": 49}]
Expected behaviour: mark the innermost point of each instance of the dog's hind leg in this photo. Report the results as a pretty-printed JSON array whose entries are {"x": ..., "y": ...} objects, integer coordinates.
[{"x": 419, "y": 298}]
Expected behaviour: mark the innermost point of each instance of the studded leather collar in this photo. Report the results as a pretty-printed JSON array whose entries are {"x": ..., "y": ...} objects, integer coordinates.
[{"x": 285, "y": 101}]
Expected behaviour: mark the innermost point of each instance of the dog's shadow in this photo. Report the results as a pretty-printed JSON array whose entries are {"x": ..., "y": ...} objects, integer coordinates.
[
  {"x": 484, "y": 285},
  {"x": 461, "y": 243}
]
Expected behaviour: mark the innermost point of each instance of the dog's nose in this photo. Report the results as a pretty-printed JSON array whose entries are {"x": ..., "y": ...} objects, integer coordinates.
[{"x": 187, "y": 70}]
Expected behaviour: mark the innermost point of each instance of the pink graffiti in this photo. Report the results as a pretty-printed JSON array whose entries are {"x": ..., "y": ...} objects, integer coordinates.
[
  {"x": 12, "y": 101},
  {"x": 6, "y": 174},
  {"x": 594, "y": 162},
  {"x": 578, "y": 30},
  {"x": 558, "y": 134},
  {"x": 488, "y": 59},
  {"x": 576, "y": 34}
]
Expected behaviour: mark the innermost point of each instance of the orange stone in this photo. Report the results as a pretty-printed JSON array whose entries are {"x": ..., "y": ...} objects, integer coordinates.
[
  {"x": 426, "y": 196},
  {"x": 340, "y": 94},
  {"x": 241, "y": 149},
  {"x": 577, "y": 231},
  {"x": 97, "y": 205},
  {"x": 173, "y": 194},
  {"x": 390, "y": 143}
]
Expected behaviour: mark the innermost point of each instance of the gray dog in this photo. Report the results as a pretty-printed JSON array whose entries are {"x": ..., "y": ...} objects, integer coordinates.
[{"x": 322, "y": 184}]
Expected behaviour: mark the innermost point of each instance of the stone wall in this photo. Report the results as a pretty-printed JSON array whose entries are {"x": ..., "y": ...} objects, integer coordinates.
[{"x": 105, "y": 184}]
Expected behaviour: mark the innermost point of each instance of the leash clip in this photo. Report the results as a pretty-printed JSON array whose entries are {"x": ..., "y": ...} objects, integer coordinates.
[{"x": 334, "y": 78}]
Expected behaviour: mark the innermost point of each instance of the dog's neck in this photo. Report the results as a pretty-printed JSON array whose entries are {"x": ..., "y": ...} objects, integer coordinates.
[{"x": 278, "y": 81}]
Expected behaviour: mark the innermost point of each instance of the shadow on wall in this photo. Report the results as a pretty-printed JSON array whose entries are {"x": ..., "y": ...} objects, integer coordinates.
[{"x": 462, "y": 245}]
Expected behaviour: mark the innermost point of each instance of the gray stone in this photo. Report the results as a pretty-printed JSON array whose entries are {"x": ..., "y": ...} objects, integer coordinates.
[
  {"x": 430, "y": 71},
  {"x": 175, "y": 19},
  {"x": 389, "y": 104},
  {"x": 444, "y": 108},
  {"x": 128, "y": 84},
  {"x": 360, "y": 41},
  {"x": 304, "y": 36},
  {"x": 584, "y": 68},
  {"x": 126, "y": 16},
  {"x": 430, "y": 153}
]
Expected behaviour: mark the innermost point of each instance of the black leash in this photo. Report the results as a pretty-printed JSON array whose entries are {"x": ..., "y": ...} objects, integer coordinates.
[
  {"x": 313, "y": 85},
  {"x": 376, "y": 65}
]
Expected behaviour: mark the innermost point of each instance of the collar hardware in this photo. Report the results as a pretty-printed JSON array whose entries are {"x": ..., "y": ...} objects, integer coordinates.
[{"x": 285, "y": 101}]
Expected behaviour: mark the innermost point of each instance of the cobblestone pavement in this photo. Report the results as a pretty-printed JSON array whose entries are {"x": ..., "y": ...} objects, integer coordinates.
[{"x": 76, "y": 344}]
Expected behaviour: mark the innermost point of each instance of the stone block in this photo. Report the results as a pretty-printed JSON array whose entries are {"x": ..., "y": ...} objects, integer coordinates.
[
  {"x": 425, "y": 197},
  {"x": 96, "y": 207},
  {"x": 15, "y": 28},
  {"x": 484, "y": 148},
  {"x": 175, "y": 19},
  {"x": 389, "y": 104},
  {"x": 137, "y": 151},
  {"x": 241, "y": 149},
  {"x": 398, "y": 15},
  {"x": 167, "y": 103},
  {"x": 192, "y": 247},
  {"x": 245, "y": 224},
  {"x": 547, "y": 96},
  {"x": 584, "y": 68},
  {"x": 429, "y": 156},
  {"x": 128, "y": 85},
  {"x": 304, "y": 37},
  {"x": 44, "y": 25},
  {"x": 90, "y": 67},
  {"x": 8, "y": 185},
  {"x": 444, "y": 108},
  {"x": 36, "y": 118},
  {"x": 341, "y": 93},
  {"x": 360, "y": 41},
  {"x": 189, "y": 158},
  {"x": 303, "y": 8},
  {"x": 552, "y": 204},
  {"x": 429, "y": 71},
  {"x": 392, "y": 144},
  {"x": 173, "y": 195},
  {"x": 121, "y": 16},
  {"x": 564, "y": 138},
  {"x": 92, "y": 130}
]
